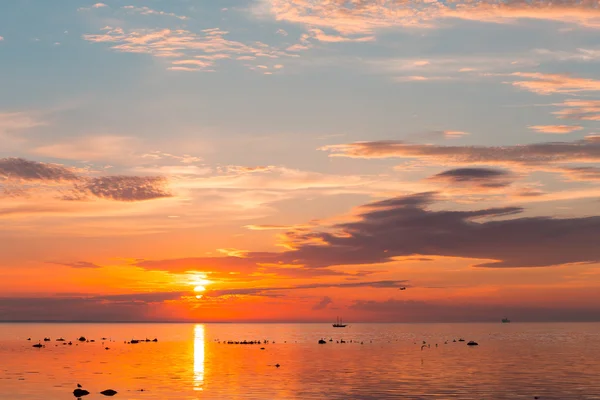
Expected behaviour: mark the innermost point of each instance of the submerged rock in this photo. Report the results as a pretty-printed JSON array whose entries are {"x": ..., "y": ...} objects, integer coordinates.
[
  {"x": 108, "y": 392},
  {"x": 80, "y": 392},
  {"x": 472, "y": 343}
]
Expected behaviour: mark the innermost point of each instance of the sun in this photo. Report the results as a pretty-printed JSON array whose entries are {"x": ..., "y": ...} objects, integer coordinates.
[{"x": 198, "y": 289}]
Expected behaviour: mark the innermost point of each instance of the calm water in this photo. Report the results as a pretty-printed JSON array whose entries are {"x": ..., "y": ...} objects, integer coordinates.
[{"x": 512, "y": 361}]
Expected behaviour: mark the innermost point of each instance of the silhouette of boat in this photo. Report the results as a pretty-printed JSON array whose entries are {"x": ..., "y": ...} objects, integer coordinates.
[
  {"x": 339, "y": 324},
  {"x": 505, "y": 320}
]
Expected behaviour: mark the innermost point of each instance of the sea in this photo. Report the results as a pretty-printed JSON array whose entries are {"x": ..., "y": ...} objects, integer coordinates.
[{"x": 361, "y": 361}]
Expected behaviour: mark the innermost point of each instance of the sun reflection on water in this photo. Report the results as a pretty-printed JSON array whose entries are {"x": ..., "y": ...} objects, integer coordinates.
[{"x": 198, "y": 357}]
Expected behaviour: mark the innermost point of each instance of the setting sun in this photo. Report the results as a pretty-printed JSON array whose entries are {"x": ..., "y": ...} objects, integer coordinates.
[{"x": 199, "y": 289}]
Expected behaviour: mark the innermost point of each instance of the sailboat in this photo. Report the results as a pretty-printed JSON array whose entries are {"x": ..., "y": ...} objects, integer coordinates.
[{"x": 339, "y": 324}]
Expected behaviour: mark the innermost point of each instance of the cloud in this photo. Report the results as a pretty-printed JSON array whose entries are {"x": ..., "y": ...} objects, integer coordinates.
[
  {"x": 560, "y": 129},
  {"x": 587, "y": 150},
  {"x": 582, "y": 173},
  {"x": 90, "y": 148},
  {"x": 17, "y": 175},
  {"x": 268, "y": 227},
  {"x": 18, "y": 169},
  {"x": 122, "y": 188},
  {"x": 400, "y": 227},
  {"x": 17, "y": 121},
  {"x": 577, "y": 55},
  {"x": 321, "y": 36},
  {"x": 274, "y": 290},
  {"x": 484, "y": 178},
  {"x": 99, "y": 5},
  {"x": 454, "y": 134},
  {"x": 546, "y": 84},
  {"x": 395, "y": 310},
  {"x": 79, "y": 265},
  {"x": 323, "y": 304},
  {"x": 581, "y": 110},
  {"x": 184, "y": 46},
  {"x": 159, "y": 155},
  {"x": 120, "y": 307},
  {"x": 366, "y": 17},
  {"x": 148, "y": 11},
  {"x": 404, "y": 226}
]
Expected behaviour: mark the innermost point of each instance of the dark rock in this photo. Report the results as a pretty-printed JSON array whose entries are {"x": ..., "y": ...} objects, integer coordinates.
[
  {"x": 108, "y": 392},
  {"x": 82, "y": 339},
  {"x": 80, "y": 392},
  {"x": 472, "y": 343}
]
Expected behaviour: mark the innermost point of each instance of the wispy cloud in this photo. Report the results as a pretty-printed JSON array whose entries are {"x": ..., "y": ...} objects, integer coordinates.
[
  {"x": 191, "y": 51},
  {"x": 78, "y": 265},
  {"x": 149, "y": 11},
  {"x": 587, "y": 150},
  {"x": 581, "y": 110},
  {"x": 368, "y": 17},
  {"x": 323, "y": 303},
  {"x": 546, "y": 84},
  {"x": 17, "y": 121},
  {"x": 559, "y": 129},
  {"x": 18, "y": 169},
  {"x": 122, "y": 188},
  {"x": 484, "y": 178}
]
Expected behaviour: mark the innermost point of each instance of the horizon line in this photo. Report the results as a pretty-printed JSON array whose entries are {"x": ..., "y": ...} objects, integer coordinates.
[{"x": 283, "y": 322}]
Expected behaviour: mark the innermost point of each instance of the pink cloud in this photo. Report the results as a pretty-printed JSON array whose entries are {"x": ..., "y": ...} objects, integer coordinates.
[
  {"x": 546, "y": 84},
  {"x": 559, "y": 129}
]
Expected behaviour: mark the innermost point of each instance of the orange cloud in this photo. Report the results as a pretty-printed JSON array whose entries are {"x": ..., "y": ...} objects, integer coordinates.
[
  {"x": 546, "y": 84},
  {"x": 584, "y": 110},
  {"x": 560, "y": 129},
  {"x": 365, "y": 17},
  {"x": 209, "y": 45},
  {"x": 587, "y": 150}
]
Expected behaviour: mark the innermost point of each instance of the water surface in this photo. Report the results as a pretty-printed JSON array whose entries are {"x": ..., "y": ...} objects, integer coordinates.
[{"x": 378, "y": 361}]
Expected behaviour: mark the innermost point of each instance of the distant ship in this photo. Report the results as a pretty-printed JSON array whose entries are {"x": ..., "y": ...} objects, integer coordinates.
[
  {"x": 505, "y": 320},
  {"x": 339, "y": 324}
]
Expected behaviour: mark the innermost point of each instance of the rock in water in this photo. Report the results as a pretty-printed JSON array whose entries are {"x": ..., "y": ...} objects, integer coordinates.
[
  {"x": 80, "y": 392},
  {"x": 108, "y": 392}
]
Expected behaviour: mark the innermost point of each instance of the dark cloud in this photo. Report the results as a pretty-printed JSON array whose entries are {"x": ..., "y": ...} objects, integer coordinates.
[
  {"x": 393, "y": 310},
  {"x": 24, "y": 170},
  {"x": 205, "y": 264},
  {"x": 18, "y": 171},
  {"x": 480, "y": 177},
  {"x": 323, "y": 304},
  {"x": 256, "y": 263},
  {"x": 587, "y": 150},
  {"x": 404, "y": 226},
  {"x": 123, "y": 188},
  {"x": 78, "y": 264},
  {"x": 123, "y": 307},
  {"x": 273, "y": 291},
  {"x": 582, "y": 173}
]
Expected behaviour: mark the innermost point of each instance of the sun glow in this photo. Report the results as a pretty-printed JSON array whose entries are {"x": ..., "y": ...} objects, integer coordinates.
[{"x": 199, "y": 289}]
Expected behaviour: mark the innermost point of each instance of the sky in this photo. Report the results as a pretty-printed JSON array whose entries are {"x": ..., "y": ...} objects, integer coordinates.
[{"x": 299, "y": 160}]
